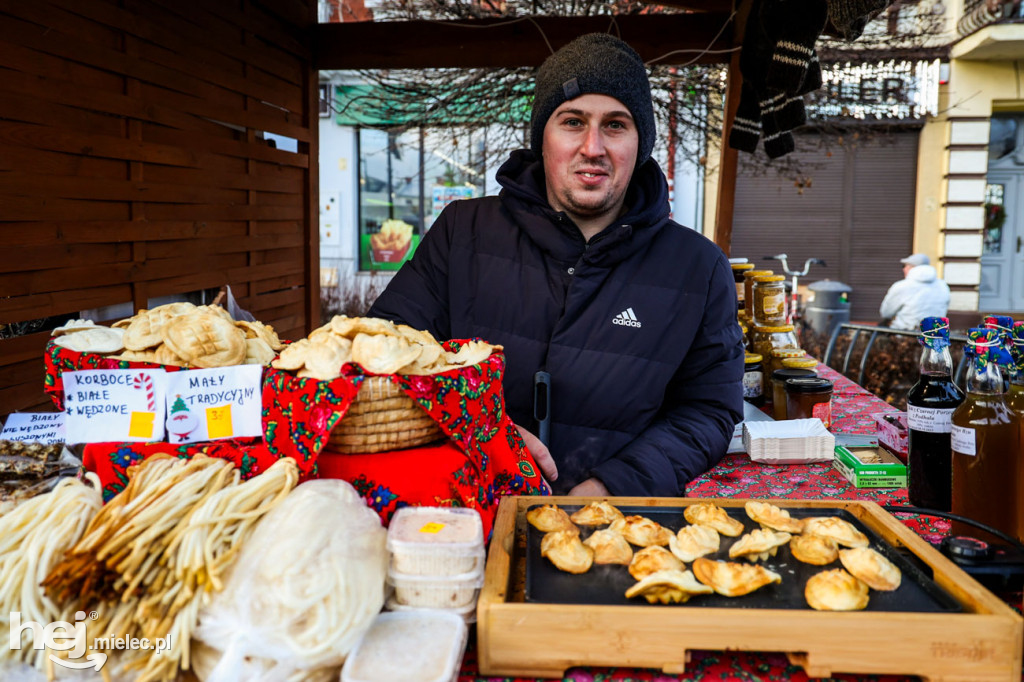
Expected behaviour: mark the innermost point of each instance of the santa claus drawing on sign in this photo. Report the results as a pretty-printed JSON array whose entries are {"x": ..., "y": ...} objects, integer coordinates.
[{"x": 180, "y": 422}]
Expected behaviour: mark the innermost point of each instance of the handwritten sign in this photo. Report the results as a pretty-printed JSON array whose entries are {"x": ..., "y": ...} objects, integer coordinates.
[
  {"x": 209, "y": 404},
  {"x": 104, "y": 405},
  {"x": 34, "y": 427}
]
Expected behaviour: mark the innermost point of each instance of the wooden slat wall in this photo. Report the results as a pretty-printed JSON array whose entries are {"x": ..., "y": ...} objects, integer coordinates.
[{"x": 132, "y": 166}]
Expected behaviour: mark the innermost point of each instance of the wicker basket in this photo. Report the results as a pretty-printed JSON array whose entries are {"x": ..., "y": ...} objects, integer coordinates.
[{"x": 381, "y": 418}]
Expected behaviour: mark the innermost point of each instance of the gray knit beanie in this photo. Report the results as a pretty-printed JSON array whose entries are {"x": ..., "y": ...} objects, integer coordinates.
[{"x": 596, "y": 63}]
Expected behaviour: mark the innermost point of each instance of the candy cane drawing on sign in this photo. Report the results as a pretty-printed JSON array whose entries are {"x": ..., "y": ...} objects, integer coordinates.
[{"x": 144, "y": 382}]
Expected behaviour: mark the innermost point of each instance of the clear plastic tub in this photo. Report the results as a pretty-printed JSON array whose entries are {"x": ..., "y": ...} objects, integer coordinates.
[
  {"x": 436, "y": 541},
  {"x": 424, "y": 645},
  {"x": 466, "y": 613},
  {"x": 447, "y": 592}
]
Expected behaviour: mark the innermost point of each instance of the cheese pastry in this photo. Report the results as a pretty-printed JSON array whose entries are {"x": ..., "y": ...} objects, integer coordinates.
[
  {"x": 668, "y": 587},
  {"x": 713, "y": 516},
  {"x": 758, "y": 545},
  {"x": 731, "y": 579},
  {"x": 838, "y": 529},
  {"x": 770, "y": 516},
  {"x": 596, "y": 514},
  {"x": 549, "y": 517},
  {"x": 694, "y": 541},
  {"x": 609, "y": 547},
  {"x": 814, "y": 549},
  {"x": 564, "y": 549},
  {"x": 835, "y": 590},
  {"x": 651, "y": 560},
  {"x": 642, "y": 531},
  {"x": 871, "y": 567}
]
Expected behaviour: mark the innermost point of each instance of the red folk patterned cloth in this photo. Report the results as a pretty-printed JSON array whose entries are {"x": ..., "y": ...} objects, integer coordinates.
[{"x": 483, "y": 459}]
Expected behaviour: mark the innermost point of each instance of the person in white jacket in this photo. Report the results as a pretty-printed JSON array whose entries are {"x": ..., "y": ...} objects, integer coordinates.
[{"x": 918, "y": 295}]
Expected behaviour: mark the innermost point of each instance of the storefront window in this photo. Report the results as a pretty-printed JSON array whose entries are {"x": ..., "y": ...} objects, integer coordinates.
[{"x": 995, "y": 216}]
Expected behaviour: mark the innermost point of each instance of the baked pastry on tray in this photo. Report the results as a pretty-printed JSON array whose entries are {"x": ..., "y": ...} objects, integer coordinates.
[
  {"x": 731, "y": 579},
  {"x": 835, "y": 590},
  {"x": 668, "y": 587},
  {"x": 548, "y": 518},
  {"x": 770, "y": 516},
  {"x": 596, "y": 514},
  {"x": 713, "y": 516},
  {"x": 814, "y": 549},
  {"x": 653, "y": 559},
  {"x": 758, "y": 545},
  {"x": 564, "y": 549},
  {"x": 641, "y": 531},
  {"x": 840, "y": 530},
  {"x": 871, "y": 567},
  {"x": 693, "y": 541},
  {"x": 609, "y": 547}
]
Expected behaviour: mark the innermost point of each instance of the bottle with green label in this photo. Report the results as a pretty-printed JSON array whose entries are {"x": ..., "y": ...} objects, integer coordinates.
[
  {"x": 930, "y": 406},
  {"x": 986, "y": 454}
]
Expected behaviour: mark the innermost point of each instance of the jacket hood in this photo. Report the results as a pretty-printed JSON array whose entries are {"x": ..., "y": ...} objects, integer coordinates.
[
  {"x": 922, "y": 273},
  {"x": 524, "y": 194}
]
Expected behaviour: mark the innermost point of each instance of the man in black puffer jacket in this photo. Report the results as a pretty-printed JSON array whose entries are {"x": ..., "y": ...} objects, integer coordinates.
[{"x": 577, "y": 270}]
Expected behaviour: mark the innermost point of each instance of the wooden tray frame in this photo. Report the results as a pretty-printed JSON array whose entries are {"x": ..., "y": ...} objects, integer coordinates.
[{"x": 515, "y": 638}]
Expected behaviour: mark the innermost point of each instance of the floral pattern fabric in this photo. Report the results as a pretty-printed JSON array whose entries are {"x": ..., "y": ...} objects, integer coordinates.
[{"x": 483, "y": 459}]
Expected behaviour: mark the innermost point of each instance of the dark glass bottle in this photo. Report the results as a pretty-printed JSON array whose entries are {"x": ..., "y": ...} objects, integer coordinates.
[{"x": 930, "y": 405}]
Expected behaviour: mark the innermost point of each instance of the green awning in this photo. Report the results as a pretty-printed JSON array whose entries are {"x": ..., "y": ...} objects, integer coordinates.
[{"x": 376, "y": 106}]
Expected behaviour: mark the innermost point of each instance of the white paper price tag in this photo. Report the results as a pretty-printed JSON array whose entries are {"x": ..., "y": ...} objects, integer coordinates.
[
  {"x": 963, "y": 441},
  {"x": 930, "y": 420}
]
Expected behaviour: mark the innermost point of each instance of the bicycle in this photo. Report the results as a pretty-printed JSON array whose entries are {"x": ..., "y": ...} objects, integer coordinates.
[{"x": 793, "y": 313}]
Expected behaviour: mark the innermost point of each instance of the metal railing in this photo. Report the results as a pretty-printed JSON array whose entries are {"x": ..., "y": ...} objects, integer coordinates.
[
  {"x": 977, "y": 16},
  {"x": 875, "y": 331}
]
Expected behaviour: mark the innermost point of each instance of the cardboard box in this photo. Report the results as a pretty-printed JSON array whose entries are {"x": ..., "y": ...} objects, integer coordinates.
[
  {"x": 893, "y": 432},
  {"x": 889, "y": 472}
]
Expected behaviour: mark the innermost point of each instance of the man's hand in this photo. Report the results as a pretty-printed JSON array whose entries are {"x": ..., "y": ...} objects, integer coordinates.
[
  {"x": 591, "y": 487},
  {"x": 540, "y": 454}
]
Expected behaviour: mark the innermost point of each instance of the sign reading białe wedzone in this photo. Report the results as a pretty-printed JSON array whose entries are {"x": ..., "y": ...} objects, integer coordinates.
[{"x": 111, "y": 405}]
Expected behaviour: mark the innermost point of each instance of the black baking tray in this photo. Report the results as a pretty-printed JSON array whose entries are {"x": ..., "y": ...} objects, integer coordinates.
[{"x": 607, "y": 584}]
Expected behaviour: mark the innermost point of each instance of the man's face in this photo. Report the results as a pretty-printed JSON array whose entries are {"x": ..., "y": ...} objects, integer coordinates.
[
  {"x": 907, "y": 267},
  {"x": 589, "y": 149}
]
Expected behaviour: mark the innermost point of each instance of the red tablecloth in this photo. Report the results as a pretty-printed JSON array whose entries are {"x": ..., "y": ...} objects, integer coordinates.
[{"x": 737, "y": 476}]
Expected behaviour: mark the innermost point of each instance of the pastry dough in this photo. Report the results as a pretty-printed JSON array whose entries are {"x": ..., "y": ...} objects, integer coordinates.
[
  {"x": 814, "y": 549},
  {"x": 872, "y": 568},
  {"x": 203, "y": 339},
  {"x": 641, "y": 531},
  {"x": 145, "y": 329},
  {"x": 713, "y": 516},
  {"x": 838, "y": 529},
  {"x": 835, "y": 590},
  {"x": 549, "y": 517},
  {"x": 564, "y": 549},
  {"x": 596, "y": 514},
  {"x": 383, "y": 354},
  {"x": 731, "y": 579},
  {"x": 652, "y": 560},
  {"x": 770, "y": 516},
  {"x": 609, "y": 547},
  {"x": 693, "y": 541},
  {"x": 668, "y": 587},
  {"x": 92, "y": 340},
  {"x": 758, "y": 545}
]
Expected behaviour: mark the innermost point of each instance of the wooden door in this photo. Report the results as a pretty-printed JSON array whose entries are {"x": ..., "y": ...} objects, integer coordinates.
[{"x": 1002, "y": 261}]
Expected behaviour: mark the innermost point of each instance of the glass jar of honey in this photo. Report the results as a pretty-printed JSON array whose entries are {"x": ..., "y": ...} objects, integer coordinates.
[
  {"x": 737, "y": 275},
  {"x": 778, "y": 396},
  {"x": 769, "y": 300},
  {"x": 807, "y": 398},
  {"x": 753, "y": 380},
  {"x": 763, "y": 340},
  {"x": 748, "y": 290},
  {"x": 780, "y": 354}
]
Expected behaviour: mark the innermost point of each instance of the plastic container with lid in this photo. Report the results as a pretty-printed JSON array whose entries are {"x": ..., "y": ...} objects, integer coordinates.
[
  {"x": 448, "y": 591},
  {"x": 769, "y": 293},
  {"x": 466, "y": 613},
  {"x": 424, "y": 645},
  {"x": 779, "y": 377},
  {"x": 809, "y": 398},
  {"x": 748, "y": 290},
  {"x": 753, "y": 380},
  {"x": 436, "y": 541}
]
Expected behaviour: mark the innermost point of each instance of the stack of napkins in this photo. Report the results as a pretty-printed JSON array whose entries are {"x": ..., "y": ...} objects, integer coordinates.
[{"x": 795, "y": 441}]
